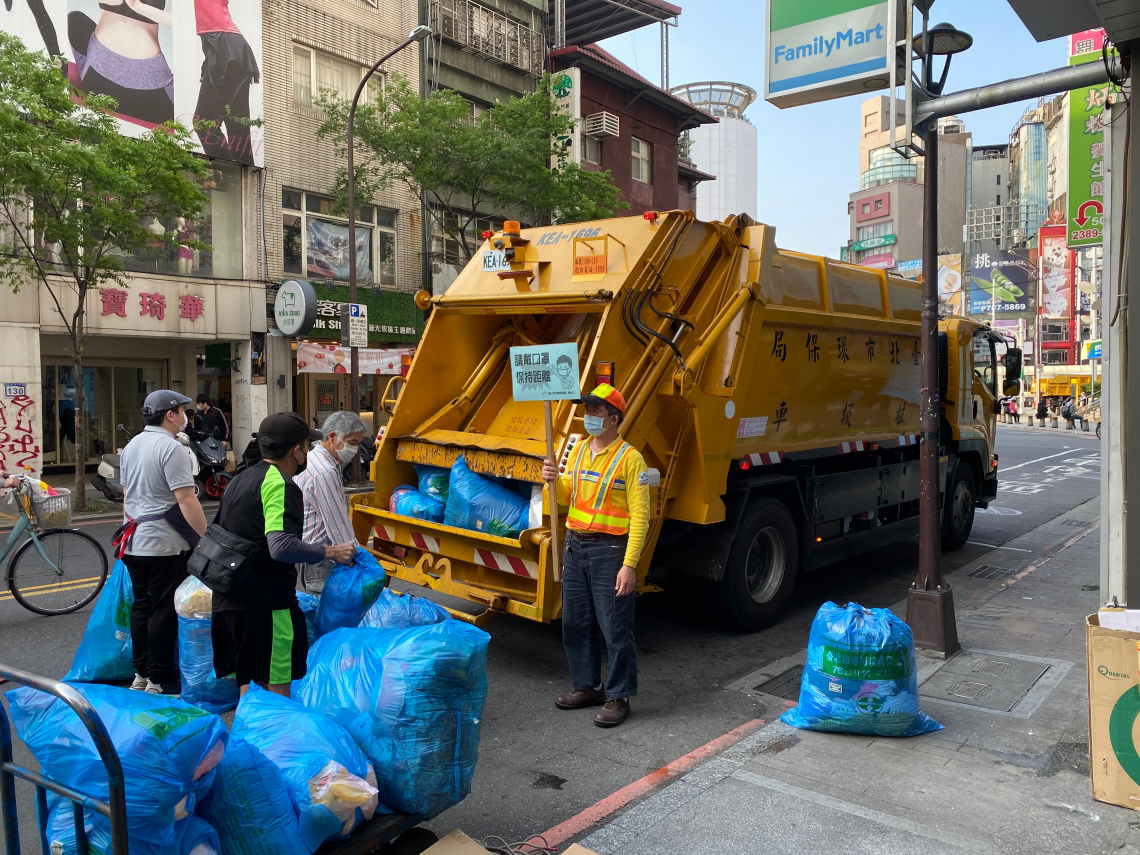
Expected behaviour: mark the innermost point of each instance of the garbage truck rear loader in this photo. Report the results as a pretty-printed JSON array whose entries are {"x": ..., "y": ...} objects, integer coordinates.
[{"x": 774, "y": 396}]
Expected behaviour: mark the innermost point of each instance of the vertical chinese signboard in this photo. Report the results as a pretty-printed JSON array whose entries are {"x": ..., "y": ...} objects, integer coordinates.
[
  {"x": 566, "y": 86},
  {"x": 1086, "y": 147},
  {"x": 950, "y": 281},
  {"x": 1056, "y": 273}
]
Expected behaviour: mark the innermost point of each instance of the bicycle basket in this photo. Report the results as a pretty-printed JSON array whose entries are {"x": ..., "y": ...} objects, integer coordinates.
[{"x": 52, "y": 511}]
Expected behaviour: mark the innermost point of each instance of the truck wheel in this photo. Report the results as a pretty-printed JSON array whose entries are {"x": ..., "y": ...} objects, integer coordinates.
[
  {"x": 960, "y": 502},
  {"x": 1098, "y": 430},
  {"x": 762, "y": 566}
]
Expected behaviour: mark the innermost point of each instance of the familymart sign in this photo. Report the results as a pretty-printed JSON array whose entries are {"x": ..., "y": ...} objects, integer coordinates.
[{"x": 823, "y": 49}]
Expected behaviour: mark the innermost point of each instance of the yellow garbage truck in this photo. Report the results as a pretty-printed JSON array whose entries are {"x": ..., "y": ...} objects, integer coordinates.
[{"x": 774, "y": 396}]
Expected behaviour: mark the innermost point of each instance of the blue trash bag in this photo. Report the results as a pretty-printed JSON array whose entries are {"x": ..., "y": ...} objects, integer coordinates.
[
  {"x": 250, "y": 807},
  {"x": 412, "y": 699},
  {"x": 413, "y": 503},
  {"x": 433, "y": 481},
  {"x": 104, "y": 654},
  {"x": 401, "y": 611},
  {"x": 200, "y": 686},
  {"x": 480, "y": 504},
  {"x": 329, "y": 780},
  {"x": 349, "y": 592},
  {"x": 309, "y": 603},
  {"x": 195, "y": 836},
  {"x": 860, "y": 675},
  {"x": 169, "y": 751}
]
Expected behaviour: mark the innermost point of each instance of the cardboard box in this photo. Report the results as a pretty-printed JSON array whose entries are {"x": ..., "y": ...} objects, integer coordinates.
[
  {"x": 458, "y": 843},
  {"x": 1114, "y": 706}
]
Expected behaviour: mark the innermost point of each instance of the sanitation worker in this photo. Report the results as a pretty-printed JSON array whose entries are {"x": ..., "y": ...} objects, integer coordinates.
[{"x": 606, "y": 486}]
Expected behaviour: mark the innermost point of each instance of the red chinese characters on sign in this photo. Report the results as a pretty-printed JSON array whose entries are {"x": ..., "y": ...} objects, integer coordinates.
[
  {"x": 18, "y": 449},
  {"x": 153, "y": 305},
  {"x": 114, "y": 301},
  {"x": 191, "y": 307}
]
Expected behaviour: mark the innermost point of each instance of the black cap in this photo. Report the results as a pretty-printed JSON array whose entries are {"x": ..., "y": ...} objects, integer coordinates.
[
  {"x": 163, "y": 400},
  {"x": 287, "y": 429}
]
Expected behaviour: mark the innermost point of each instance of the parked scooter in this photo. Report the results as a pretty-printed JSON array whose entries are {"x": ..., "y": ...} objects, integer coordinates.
[
  {"x": 210, "y": 456},
  {"x": 107, "y": 479}
]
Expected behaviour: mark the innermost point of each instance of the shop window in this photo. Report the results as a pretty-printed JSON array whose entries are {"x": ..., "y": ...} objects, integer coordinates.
[
  {"x": 642, "y": 160},
  {"x": 1056, "y": 357},
  {"x": 219, "y": 226},
  {"x": 315, "y": 71},
  {"x": 315, "y": 240},
  {"x": 592, "y": 150}
]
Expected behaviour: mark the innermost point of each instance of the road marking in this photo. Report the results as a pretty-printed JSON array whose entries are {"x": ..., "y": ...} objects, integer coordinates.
[
  {"x": 616, "y": 801},
  {"x": 889, "y": 820},
  {"x": 70, "y": 582},
  {"x": 1003, "y": 469},
  {"x": 74, "y": 586},
  {"x": 995, "y": 546}
]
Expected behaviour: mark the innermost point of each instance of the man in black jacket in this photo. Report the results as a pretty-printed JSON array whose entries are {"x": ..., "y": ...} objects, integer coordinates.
[{"x": 209, "y": 419}]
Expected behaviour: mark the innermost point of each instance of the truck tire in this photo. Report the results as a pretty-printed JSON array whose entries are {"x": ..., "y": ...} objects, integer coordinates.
[
  {"x": 961, "y": 499},
  {"x": 762, "y": 566}
]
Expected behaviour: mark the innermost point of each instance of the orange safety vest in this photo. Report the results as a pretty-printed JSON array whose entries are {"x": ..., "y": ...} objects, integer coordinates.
[{"x": 590, "y": 505}]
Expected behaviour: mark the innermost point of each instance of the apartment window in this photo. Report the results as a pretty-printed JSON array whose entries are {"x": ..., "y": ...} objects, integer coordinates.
[
  {"x": 1056, "y": 357},
  {"x": 866, "y": 207},
  {"x": 1054, "y": 332},
  {"x": 878, "y": 204},
  {"x": 315, "y": 70},
  {"x": 642, "y": 161},
  {"x": 315, "y": 240},
  {"x": 877, "y": 230},
  {"x": 999, "y": 199},
  {"x": 592, "y": 151},
  {"x": 998, "y": 177}
]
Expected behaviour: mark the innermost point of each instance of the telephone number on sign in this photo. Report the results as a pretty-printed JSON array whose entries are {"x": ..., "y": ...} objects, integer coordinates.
[{"x": 1085, "y": 234}]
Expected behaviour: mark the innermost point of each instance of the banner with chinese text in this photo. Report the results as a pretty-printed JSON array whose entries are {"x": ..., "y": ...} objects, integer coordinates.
[
  {"x": 1086, "y": 149},
  {"x": 950, "y": 281}
]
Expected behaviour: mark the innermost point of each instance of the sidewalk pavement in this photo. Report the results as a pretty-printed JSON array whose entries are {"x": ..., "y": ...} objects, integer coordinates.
[
  {"x": 1060, "y": 429},
  {"x": 1009, "y": 779}
]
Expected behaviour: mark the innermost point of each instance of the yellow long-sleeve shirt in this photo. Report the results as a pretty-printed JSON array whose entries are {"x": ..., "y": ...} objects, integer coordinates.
[{"x": 630, "y": 492}]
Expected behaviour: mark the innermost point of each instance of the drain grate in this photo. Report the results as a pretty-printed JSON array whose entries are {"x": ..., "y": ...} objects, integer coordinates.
[
  {"x": 785, "y": 685},
  {"x": 990, "y": 572}
]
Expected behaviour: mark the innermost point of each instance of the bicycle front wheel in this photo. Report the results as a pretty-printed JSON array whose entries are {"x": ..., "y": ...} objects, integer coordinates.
[{"x": 70, "y": 578}]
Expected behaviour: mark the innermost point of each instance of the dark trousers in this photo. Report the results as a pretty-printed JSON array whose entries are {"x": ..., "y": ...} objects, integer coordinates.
[
  {"x": 213, "y": 107},
  {"x": 154, "y": 623},
  {"x": 592, "y": 615}
]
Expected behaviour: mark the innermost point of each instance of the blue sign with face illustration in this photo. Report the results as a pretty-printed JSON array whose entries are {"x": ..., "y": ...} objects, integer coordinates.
[{"x": 545, "y": 372}]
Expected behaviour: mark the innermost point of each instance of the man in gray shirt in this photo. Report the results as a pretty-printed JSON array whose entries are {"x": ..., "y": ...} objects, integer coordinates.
[{"x": 161, "y": 518}]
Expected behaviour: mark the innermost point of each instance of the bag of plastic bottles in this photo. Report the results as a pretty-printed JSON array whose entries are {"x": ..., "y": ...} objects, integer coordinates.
[
  {"x": 250, "y": 807},
  {"x": 309, "y": 603},
  {"x": 168, "y": 750},
  {"x": 480, "y": 504},
  {"x": 104, "y": 654},
  {"x": 349, "y": 592},
  {"x": 433, "y": 481},
  {"x": 193, "y": 602},
  {"x": 412, "y": 699},
  {"x": 400, "y": 611},
  {"x": 860, "y": 675},
  {"x": 195, "y": 836},
  {"x": 415, "y": 504},
  {"x": 329, "y": 780}
]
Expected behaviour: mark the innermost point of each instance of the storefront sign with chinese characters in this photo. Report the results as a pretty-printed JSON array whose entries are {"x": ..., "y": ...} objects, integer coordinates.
[
  {"x": 1086, "y": 148},
  {"x": 392, "y": 315},
  {"x": 117, "y": 301}
]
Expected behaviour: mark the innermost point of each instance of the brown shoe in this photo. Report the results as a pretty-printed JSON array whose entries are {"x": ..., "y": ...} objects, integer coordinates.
[
  {"x": 612, "y": 714},
  {"x": 577, "y": 699}
]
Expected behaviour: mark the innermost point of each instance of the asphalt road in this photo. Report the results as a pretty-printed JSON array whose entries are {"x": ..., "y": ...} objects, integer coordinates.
[{"x": 539, "y": 766}]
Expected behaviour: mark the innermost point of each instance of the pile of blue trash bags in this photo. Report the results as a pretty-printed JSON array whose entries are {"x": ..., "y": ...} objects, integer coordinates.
[
  {"x": 465, "y": 499},
  {"x": 387, "y": 720},
  {"x": 860, "y": 675}
]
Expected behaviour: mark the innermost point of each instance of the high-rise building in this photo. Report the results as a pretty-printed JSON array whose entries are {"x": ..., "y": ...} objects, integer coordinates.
[{"x": 726, "y": 149}]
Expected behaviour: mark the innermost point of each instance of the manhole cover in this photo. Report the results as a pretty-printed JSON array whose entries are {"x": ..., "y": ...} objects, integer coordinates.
[
  {"x": 999, "y": 512},
  {"x": 989, "y": 572},
  {"x": 784, "y": 685},
  {"x": 984, "y": 680}
]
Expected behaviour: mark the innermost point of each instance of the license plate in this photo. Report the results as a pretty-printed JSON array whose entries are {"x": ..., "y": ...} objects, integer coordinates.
[{"x": 495, "y": 259}]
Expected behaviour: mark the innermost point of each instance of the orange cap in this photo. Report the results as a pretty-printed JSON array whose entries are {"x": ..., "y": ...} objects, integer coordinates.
[{"x": 606, "y": 393}]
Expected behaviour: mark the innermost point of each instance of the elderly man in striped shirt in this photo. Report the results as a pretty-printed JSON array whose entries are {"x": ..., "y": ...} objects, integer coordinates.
[{"x": 326, "y": 509}]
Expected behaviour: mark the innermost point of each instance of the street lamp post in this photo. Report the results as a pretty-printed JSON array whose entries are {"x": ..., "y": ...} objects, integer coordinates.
[
  {"x": 417, "y": 35},
  {"x": 930, "y": 602}
]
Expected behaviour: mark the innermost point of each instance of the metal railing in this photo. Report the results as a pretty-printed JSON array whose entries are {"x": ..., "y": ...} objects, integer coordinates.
[{"x": 489, "y": 33}]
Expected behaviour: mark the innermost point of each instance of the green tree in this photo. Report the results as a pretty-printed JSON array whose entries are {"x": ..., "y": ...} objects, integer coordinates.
[
  {"x": 76, "y": 195},
  {"x": 466, "y": 168}
]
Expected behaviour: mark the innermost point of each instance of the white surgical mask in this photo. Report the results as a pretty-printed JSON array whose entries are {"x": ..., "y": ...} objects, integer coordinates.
[
  {"x": 185, "y": 420},
  {"x": 594, "y": 425},
  {"x": 347, "y": 453}
]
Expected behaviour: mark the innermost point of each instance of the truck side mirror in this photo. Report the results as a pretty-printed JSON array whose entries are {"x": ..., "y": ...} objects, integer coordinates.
[
  {"x": 1012, "y": 361},
  {"x": 1011, "y": 388}
]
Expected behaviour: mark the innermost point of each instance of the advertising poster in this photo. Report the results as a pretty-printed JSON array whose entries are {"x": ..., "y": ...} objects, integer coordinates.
[
  {"x": 161, "y": 61},
  {"x": 315, "y": 358},
  {"x": 1086, "y": 147},
  {"x": 1004, "y": 277},
  {"x": 1056, "y": 272},
  {"x": 328, "y": 251},
  {"x": 950, "y": 281}
]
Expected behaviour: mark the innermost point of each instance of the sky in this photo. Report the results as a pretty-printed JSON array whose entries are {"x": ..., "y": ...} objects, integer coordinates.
[{"x": 809, "y": 156}]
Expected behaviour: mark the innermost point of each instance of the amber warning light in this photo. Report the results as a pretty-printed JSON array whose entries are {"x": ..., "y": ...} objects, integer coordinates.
[{"x": 604, "y": 373}]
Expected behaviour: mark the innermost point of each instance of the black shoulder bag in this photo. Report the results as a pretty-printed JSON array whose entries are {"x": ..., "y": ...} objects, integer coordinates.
[{"x": 225, "y": 562}]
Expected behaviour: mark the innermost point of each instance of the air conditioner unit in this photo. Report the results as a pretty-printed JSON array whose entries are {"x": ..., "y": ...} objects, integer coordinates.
[{"x": 601, "y": 125}]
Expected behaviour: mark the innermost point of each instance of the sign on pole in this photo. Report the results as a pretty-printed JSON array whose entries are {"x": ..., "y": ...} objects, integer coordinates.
[
  {"x": 354, "y": 325},
  {"x": 1086, "y": 149},
  {"x": 547, "y": 372},
  {"x": 295, "y": 308},
  {"x": 824, "y": 49}
]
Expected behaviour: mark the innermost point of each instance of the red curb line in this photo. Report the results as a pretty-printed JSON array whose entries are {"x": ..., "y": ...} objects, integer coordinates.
[{"x": 615, "y": 801}]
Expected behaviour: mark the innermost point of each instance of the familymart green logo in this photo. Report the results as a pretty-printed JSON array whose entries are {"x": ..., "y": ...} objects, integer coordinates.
[{"x": 1112, "y": 675}]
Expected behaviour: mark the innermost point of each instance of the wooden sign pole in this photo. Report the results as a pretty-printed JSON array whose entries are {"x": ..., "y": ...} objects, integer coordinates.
[{"x": 552, "y": 488}]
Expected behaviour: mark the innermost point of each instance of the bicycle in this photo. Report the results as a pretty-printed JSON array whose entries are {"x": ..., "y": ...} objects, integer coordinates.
[{"x": 61, "y": 569}]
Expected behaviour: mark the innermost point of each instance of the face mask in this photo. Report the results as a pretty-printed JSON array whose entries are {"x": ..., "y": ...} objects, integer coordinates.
[
  {"x": 304, "y": 462},
  {"x": 594, "y": 425},
  {"x": 347, "y": 453},
  {"x": 185, "y": 420}
]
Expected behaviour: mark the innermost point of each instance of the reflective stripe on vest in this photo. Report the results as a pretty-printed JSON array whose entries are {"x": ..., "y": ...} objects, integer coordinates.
[{"x": 595, "y": 511}]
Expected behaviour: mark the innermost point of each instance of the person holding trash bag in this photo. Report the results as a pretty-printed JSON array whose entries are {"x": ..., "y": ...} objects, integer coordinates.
[
  {"x": 259, "y": 630},
  {"x": 162, "y": 521},
  {"x": 326, "y": 510},
  {"x": 607, "y": 488}
]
